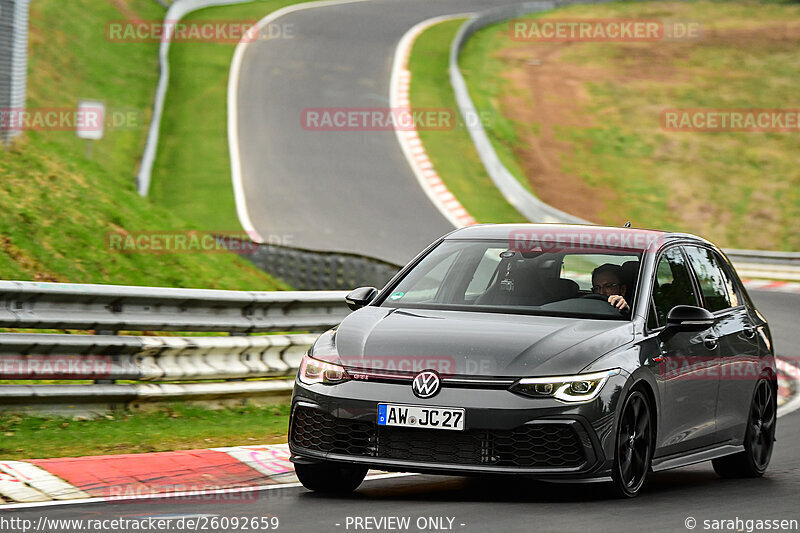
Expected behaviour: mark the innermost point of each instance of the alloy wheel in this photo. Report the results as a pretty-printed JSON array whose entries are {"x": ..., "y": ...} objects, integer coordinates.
[
  {"x": 634, "y": 445},
  {"x": 762, "y": 425}
]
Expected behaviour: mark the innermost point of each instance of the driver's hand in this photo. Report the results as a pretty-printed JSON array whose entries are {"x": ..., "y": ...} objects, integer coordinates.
[{"x": 618, "y": 301}]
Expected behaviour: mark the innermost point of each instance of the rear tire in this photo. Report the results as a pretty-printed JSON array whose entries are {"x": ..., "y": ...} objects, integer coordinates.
[
  {"x": 633, "y": 450},
  {"x": 330, "y": 477},
  {"x": 758, "y": 439}
]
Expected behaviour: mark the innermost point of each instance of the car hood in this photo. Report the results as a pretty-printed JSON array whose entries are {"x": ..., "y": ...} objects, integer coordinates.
[{"x": 469, "y": 343}]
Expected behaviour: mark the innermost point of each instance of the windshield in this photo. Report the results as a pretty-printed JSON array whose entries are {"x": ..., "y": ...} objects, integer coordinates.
[{"x": 488, "y": 276}]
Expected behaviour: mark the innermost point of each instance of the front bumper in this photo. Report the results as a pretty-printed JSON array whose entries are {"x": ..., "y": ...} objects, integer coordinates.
[{"x": 505, "y": 433}]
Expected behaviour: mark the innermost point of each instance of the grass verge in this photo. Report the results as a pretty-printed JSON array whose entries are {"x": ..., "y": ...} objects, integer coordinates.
[
  {"x": 58, "y": 203},
  {"x": 179, "y": 427},
  {"x": 464, "y": 175},
  {"x": 192, "y": 169}
]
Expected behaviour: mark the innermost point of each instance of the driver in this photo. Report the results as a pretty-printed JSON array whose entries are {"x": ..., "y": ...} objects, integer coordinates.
[{"x": 607, "y": 281}]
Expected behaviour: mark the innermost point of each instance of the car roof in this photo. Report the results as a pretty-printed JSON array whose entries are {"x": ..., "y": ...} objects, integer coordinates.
[{"x": 641, "y": 238}]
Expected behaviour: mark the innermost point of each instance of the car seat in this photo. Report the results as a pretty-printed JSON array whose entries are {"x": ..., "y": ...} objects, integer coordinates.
[{"x": 630, "y": 275}]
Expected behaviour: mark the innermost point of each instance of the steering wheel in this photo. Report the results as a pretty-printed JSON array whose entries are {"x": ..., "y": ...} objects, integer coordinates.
[{"x": 593, "y": 296}]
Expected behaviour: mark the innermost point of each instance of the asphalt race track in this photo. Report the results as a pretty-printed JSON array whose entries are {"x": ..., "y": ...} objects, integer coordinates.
[
  {"x": 334, "y": 190},
  {"x": 502, "y": 505},
  {"x": 354, "y": 192}
]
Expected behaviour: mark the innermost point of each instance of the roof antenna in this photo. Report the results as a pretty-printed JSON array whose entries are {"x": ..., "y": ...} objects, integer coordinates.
[{"x": 628, "y": 224}]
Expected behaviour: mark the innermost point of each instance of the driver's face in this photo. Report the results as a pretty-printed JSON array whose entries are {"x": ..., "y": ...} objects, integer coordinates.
[{"x": 608, "y": 284}]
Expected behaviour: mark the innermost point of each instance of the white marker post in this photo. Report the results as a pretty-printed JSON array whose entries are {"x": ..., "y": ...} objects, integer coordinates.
[{"x": 90, "y": 122}]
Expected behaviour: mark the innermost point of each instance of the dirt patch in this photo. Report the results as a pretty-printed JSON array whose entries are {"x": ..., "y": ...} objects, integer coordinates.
[
  {"x": 29, "y": 264},
  {"x": 548, "y": 92}
]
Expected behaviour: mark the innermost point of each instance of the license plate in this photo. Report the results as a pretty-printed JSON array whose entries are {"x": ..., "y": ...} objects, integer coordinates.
[{"x": 414, "y": 416}]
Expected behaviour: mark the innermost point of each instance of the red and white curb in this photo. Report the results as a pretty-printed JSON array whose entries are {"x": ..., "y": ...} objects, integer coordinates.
[
  {"x": 788, "y": 387},
  {"x": 768, "y": 285},
  {"x": 229, "y": 474},
  {"x": 409, "y": 140}
]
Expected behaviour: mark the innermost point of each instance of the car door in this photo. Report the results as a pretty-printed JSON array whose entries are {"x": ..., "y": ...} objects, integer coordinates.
[
  {"x": 738, "y": 346},
  {"x": 685, "y": 363}
]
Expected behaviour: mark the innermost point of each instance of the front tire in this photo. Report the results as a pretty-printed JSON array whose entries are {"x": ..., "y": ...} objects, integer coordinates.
[
  {"x": 330, "y": 477},
  {"x": 634, "y": 446},
  {"x": 758, "y": 439}
]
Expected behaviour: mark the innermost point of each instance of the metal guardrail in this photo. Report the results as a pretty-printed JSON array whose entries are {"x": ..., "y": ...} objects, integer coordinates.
[
  {"x": 118, "y": 357},
  {"x": 162, "y": 368},
  {"x": 764, "y": 256},
  {"x": 762, "y": 264},
  {"x": 176, "y": 12},
  {"x": 109, "y": 307}
]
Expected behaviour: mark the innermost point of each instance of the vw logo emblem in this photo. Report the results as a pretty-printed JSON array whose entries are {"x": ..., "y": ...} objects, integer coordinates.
[{"x": 426, "y": 384}]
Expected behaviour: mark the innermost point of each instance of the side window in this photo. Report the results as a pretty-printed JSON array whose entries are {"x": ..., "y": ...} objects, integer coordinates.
[
  {"x": 652, "y": 318},
  {"x": 673, "y": 286},
  {"x": 717, "y": 288}
]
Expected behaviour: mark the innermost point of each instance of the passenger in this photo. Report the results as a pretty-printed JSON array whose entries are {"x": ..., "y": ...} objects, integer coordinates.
[{"x": 607, "y": 280}]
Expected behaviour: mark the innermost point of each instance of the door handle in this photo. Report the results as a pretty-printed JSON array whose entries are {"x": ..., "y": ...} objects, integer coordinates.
[
  {"x": 749, "y": 331},
  {"x": 711, "y": 342}
]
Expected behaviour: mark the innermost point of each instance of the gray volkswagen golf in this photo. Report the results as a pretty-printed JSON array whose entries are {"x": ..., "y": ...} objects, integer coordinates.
[{"x": 551, "y": 351}]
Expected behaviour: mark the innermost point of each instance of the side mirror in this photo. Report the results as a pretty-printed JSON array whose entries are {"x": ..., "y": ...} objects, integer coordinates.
[
  {"x": 689, "y": 318},
  {"x": 360, "y": 297}
]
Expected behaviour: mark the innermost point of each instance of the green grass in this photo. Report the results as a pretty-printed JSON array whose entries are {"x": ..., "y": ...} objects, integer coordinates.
[
  {"x": 192, "y": 170},
  {"x": 464, "y": 175},
  {"x": 178, "y": 427},
  {"x": 56, "y": 204},
  {"x": 737, "y": 189}
]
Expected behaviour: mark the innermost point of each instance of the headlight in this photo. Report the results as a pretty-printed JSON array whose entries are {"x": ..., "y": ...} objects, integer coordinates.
[
  {"x": 578, "y": 388},
  {"x": 314, "y": 371}
]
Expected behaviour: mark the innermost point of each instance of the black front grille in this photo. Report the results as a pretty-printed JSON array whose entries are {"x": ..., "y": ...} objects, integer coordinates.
[
  {"x": 555, "y": 445},
  {"x": 552, "y": 445},
  {"x": 316, "y": 430},
  {"x": 431, "y": 446}
]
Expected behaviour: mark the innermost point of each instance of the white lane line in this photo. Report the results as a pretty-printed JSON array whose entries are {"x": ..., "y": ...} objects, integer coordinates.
[
  {"x": 409, "y": 141},
  {"x": 233, "y": 106},
  {"x": 189, "y": 494}
]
